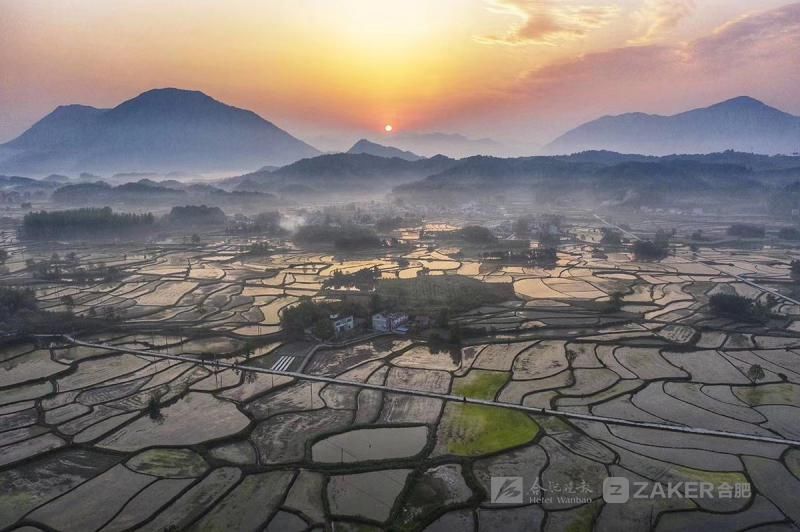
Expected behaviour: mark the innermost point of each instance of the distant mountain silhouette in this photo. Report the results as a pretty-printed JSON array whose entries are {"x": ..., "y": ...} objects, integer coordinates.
[
  {"x": 339, "y": 171},
  {"x": 742, "y": 124},
  {"x": 159, "y": 130},
  {"x": 449, "y": 144},
  {"x": 604, "y": 178},
  {"x": 372, "y": 148}
]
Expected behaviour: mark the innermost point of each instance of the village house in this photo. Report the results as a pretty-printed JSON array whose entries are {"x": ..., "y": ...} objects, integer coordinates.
[
  {"x": 342, "y": 324},
  {"x": 388, "y": 322}
]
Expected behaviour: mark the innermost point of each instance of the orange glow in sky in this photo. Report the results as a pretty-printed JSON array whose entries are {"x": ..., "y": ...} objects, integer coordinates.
[{"x": 525, "y": 69}]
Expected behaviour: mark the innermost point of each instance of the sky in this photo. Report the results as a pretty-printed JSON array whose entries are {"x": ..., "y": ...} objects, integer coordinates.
[{"x": 330, "y": 71}]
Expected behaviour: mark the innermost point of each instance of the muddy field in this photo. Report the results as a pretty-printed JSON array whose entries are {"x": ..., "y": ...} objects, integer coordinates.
[{"x": 235, "y": 450}]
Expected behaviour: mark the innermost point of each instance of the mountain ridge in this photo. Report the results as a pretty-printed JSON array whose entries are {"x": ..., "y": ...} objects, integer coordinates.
[
  {"x": 380, "y": 150},
  {"x": 160, "y": 129},
  {"x": 742, "y": 124}
]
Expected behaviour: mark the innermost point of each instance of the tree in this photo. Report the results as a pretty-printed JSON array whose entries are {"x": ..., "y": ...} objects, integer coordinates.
[
  {"x": 348, "y": 237},
  {"x": 3, "y": 256},
  {"x": 795, "y": 269},
  {"x": 443, "y": 319},
  {"x": 110, "y": 313},
  {"x": 737, "y": 307},
  {"x": 615, "y": 301},
  {"x": 755, "y": 373},
  {"x": 154, "y": 408},
  {"x": 14, "y": 301},
  {"x": 611, "y": 237},
  {"x": 249, "y": 350},
  {"x": 68, "y": 301},
  {"x": 195, "y": 238},
  {"x": 646, "y": 250},
  {"x": 746, "y": 231},
  {"x": 789, "y": 233},
  {"x": 375, "y": 303},
  {"x": 522, "y": 226},
  {"x": 548, "y": 240},
  {"x": 268, "y": 223},
  {"x": 323, "y": 329},
  {"x": 83, "y": 222},
  {"x": 571, "y": 356},
  {"x": 455, "y": 334},
  {"x": 477, "y": 234}
]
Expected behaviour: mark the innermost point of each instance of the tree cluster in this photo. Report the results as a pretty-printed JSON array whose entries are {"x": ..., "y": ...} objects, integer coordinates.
[
  {"x": 68, "y": 268},
  {"x": 82, "y": 222},
  {"x": 738, "y": 307},
  {"x": 611, "y": 237},
  {"x": 789, "y": 233},
  {"x": 476, "y": 234},
  {"x": 649, "y": 250},
  {"x": 388, "y": 223},
  {"x": 364, "y": 279},
  {"x": 264, "y": 223},
  {"x": 348, "y": 237},
  {"x": 308, "y": 314},
  {"x": 193, "y": 215},
  {"x": 746, "y": 231},
  {"x": 15, "y": 301}
]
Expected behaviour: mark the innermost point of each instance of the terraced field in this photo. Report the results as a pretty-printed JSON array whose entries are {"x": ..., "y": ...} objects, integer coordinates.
[{"x": 82, "y": 447}]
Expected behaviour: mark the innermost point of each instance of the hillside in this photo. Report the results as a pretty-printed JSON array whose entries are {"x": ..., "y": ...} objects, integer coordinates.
[
  {"x": 372, "y": 148},
  {"x": 742, "y": 124},
  {"x": 343, "y": 170},
  {"x": 160, "y": 130}
]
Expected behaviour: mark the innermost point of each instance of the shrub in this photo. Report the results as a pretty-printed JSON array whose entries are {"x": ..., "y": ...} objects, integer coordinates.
[
  {"x": 737, "y": 307},
  {"x": 476, "y": 234},
  {"x": 647, "y": 250},
  {"x": 746, "y": 231}
]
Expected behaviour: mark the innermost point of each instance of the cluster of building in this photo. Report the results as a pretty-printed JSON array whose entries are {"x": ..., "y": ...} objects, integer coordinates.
[
  {"x": 390, "y": 322},
  {"x": 396, "y": 322}
]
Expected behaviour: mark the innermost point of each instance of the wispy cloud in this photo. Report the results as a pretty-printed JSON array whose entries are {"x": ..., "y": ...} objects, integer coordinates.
[
  {"x": 756, "y": 36},
  {"x": 756, "y": 54},
  {"x": 658, "y": 17},
  {"x": 546, "y": 22}
]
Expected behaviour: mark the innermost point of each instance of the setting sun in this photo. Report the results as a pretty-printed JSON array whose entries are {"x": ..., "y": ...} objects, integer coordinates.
[{"x": 388, "y": 128}]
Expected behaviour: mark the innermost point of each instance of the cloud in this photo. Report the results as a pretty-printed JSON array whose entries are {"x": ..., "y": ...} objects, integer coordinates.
[
  {"x": 546, "y": 22},
  {"x": 757, "y": 54},
  {"x": 758, "y": 36},
  {"x": 657, "y": 17}
]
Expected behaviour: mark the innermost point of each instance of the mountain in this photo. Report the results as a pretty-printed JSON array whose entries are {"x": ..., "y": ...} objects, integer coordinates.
[
  {"x": 343, "y": 172},
  {"x": 742, "y": 124},
  {"x": 159, "y": 130},
  {"x": 450, "y": 144},
  {"x": 597, "y": 178},
  {"x": 152, "y": 194},
  {"x": 371, "y": 148}
]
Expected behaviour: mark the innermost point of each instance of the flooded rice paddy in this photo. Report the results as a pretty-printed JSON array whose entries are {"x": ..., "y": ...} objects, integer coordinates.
[{"x": 233, "y": 450}]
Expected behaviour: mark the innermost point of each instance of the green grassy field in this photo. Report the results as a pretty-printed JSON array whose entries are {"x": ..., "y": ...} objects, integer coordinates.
[
  {"x": 480, "y": 384},
  {"x": 473, "y": 430}
]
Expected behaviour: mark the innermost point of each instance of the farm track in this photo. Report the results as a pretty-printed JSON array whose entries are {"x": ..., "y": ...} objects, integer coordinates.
[{"x": 447, "y": 397}]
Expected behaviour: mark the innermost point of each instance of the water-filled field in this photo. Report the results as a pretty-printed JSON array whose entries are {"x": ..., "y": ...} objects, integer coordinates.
[{"x": 80, "y": 449}]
